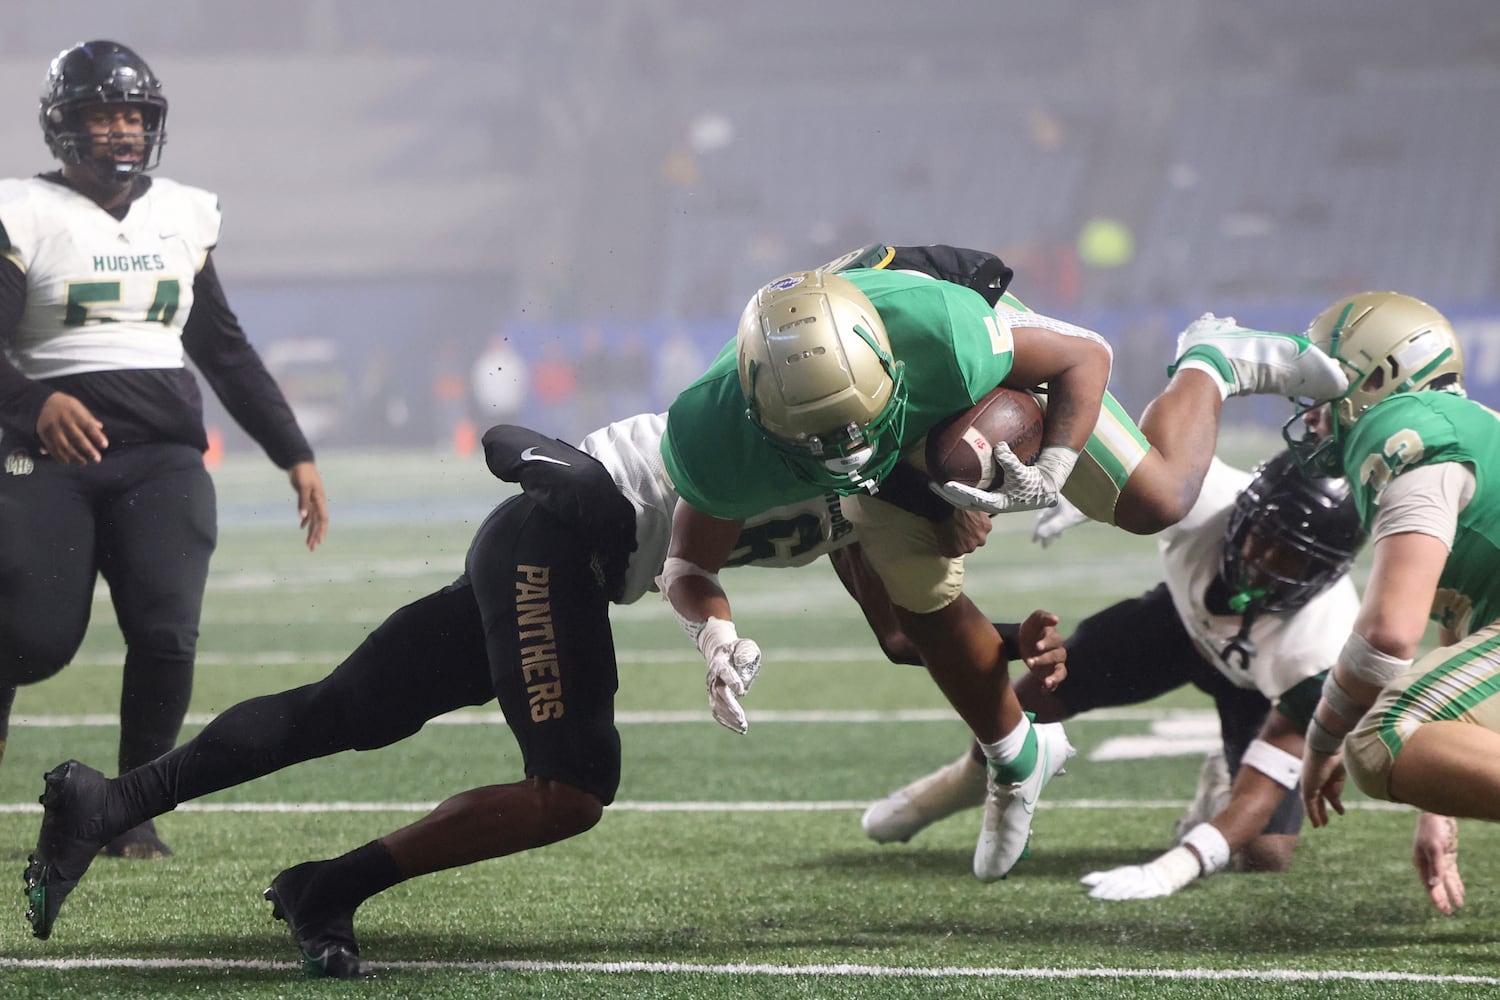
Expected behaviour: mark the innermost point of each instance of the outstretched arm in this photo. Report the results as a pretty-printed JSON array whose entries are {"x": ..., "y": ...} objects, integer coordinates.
[{"x": 689, "y": 581}]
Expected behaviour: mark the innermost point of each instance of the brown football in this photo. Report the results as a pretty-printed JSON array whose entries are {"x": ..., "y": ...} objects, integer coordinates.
[{"x": 961, "y": 447}]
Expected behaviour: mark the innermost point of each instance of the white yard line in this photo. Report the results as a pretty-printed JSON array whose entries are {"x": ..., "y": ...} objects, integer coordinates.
[{"x": 771, "y": 970}]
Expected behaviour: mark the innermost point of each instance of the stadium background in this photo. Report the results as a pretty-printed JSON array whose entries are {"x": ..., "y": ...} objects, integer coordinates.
[{"x": 402, "y": 185}]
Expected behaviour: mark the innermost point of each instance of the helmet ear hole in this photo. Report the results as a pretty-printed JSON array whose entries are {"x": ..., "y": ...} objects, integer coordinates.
[{"x": 1388, "y": 343}]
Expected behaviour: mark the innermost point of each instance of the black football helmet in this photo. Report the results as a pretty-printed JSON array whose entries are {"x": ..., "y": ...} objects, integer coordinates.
[
  {"x": 1314, "y": 517},
  {"x": 94, "y": 73}
]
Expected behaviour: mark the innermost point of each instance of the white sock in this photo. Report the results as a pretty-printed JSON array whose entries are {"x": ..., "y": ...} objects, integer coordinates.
[
  {"x": 1008, "y": 747},
  {"x": 1226, "y": 389}
]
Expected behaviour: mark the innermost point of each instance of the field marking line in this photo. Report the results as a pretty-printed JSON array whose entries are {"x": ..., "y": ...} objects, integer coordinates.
[{"x": 766, "y": 969}]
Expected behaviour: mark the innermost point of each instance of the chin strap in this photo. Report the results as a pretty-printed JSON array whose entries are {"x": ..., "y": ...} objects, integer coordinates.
[{"x": 1239, "y": 651}]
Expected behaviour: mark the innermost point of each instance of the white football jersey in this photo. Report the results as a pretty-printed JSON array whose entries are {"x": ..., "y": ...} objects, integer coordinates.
[
  {"x": 791, "y": 535},
  {"x": 1290, "y": 646},
  {"x": 102, "y": 294}
]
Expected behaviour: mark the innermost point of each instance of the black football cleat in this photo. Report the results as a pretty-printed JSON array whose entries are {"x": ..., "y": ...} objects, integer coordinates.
[
  {"x": 139, "y": 843},
  {"x": 325, "y": 939},
  {"x": 72, "y": 833}
]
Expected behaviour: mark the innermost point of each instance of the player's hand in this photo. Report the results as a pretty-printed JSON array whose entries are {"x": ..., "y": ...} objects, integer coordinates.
[
  {"x": 1040, "y": 647},
  {"x": 69, "y": 432},
  {"x": 1434, "y": 852},
  {"x": 1051, "y": 522},
  {"x": 1128, "y": 882},
  {"x": 731, "y": 670},
  {"x": 962, "y": 533},
  {"x": 1322, "y": 782},
  {"x": 1025, "y": 487},
  {"x": 312, "y": 502}
]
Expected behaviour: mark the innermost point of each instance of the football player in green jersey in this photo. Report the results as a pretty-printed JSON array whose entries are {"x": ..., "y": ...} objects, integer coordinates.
[
  {"x": 1419, "y": 455},
  {"x": 836, "y": 374}
]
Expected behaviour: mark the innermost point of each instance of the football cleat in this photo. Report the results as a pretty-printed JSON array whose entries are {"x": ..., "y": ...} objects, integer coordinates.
[
  {"x": 1211, "y": 797},
  {"x": 73, "y": 813},
  {"x": 1258, "y": 362},
  {"x": 325, "y": 940},
  {"x": 139, "y": 843},
  {"x": 1008, "y": 807},
  {"x": 907, "y": 811}
]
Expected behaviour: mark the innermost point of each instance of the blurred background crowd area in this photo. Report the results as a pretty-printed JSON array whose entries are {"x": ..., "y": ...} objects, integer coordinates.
[{"x": 445, "y": 214}]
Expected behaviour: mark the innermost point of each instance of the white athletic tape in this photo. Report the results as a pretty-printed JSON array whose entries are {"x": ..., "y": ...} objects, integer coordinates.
[
  {"x": 1369, "y": 664},
  {"x": 1274, "y": 762}
]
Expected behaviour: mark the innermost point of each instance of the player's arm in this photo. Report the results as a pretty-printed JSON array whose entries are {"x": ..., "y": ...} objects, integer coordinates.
[
  {"x": 1074, "y": 365},
  {"x": 1391, "y": 621},
  {"x": 689, "y": 581},
  {"x": 1036, "y": 641},
  {"x": 56, "y": 421},
  {"x": 1267, "y": 773},
  {"x": 213, "y": 338}
]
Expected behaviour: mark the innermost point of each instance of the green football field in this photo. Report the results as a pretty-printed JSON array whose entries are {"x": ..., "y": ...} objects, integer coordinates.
[{"x": 730, "y": 866}]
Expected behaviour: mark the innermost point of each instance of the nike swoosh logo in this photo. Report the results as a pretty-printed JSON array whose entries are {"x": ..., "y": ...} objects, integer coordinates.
[
  {"x": 1043, "y": 760},
  {"x": 167, "y": 236},
  {"x": 531, "y": 455}
]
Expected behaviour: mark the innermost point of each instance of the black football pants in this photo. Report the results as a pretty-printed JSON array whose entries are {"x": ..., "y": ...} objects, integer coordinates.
[
  {"x": 144, "y": 518},
  {"x": 528, "y": 622}
]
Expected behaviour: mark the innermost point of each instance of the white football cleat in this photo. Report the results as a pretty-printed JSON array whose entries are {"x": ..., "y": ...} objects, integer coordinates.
[
  {"x": 908, "y": 811},
  {"x": 1258, "y": 362},
  {"x": 1211, "y": 797},
  {"x": 1008, "y": 807}
]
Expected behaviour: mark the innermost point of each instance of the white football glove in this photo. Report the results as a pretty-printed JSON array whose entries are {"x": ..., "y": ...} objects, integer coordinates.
[
  {"x": 732, "y": 666},
  {"x": 1133, "y": 881},
  {"x": 1026, "y": 487},
  {"x": 1168, "y": 873},
  {"x": 1051, "y": 522}
]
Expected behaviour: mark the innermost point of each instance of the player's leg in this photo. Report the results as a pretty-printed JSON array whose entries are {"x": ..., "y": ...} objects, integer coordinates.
[
  {"x": 157, "y": 532},
  {"x": 46, "y": 575},
  {"x": 1432, "y": 738},
  {"x": 425, "y": 659},
  {"x": 1245, "y": 362},
  {"x": 964, "y": 655},
  {"x": 1144, "y": 477},
  {"x": 552, "y": 663},
  {"x": 7, "y": 702},
  {"x": 1102, "y": 671}
]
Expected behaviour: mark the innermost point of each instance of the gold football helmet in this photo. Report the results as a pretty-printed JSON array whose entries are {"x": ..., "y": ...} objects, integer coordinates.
[
  {"x": 817, "y": 373},
  {"x": 1387, "y": 343}
]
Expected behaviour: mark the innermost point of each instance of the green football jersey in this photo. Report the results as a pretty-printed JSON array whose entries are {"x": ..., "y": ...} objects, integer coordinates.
[
  {"x": 1424, "y": 428},
  {"x": 955, "y": 351}
]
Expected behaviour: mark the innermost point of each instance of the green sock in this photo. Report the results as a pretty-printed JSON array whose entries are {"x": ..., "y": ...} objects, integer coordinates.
[{"x": 1017, "y": 770}]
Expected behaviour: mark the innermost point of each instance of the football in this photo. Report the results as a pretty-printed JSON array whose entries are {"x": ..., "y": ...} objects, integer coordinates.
[{"x": 961, "y": 448}]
